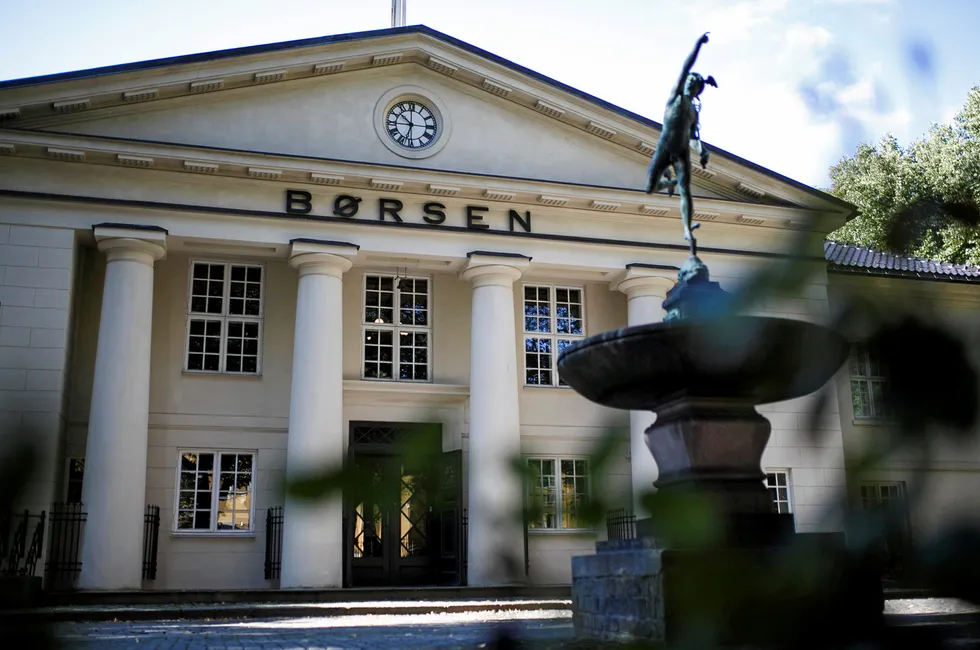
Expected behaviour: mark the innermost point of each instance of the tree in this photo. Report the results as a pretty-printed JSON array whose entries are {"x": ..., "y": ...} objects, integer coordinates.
[{"x": 922, "y": 200}]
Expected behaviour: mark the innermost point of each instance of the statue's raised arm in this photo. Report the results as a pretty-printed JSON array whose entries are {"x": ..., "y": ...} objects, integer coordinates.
[{"x": 688, "y": 64}]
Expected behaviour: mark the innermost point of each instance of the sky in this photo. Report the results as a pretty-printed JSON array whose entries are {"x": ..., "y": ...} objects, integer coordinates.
[{"x": 801, "y": 82}]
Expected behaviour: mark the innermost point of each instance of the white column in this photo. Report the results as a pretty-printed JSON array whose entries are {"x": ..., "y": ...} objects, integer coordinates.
[
  {"x": 312, "y": 534},
  {"x": 645, "y": 289},
  {"x": 495, "y": 540},
  {"x": 114, "y": 488}
]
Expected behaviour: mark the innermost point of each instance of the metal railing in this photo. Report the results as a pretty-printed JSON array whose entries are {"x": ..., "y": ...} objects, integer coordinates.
[
  {"x": 620, "y": 524},
  {"x": 151, "y": 540},
  {"x": 17, "y": 556},
  {"x": 464, "y": 546},
  {"x": 273, "y": 543},
  {"x": 64, "y": 564}
]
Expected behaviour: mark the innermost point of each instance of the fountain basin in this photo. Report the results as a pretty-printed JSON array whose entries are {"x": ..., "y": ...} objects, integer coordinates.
[{"x": 751, "y": 359}]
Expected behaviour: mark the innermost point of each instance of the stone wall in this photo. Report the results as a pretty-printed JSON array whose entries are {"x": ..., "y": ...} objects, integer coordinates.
[{"x": 36, "y": 282}]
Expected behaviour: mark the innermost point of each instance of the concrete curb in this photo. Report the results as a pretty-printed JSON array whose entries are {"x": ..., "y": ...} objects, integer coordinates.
[{"x": 266, "y": 610}]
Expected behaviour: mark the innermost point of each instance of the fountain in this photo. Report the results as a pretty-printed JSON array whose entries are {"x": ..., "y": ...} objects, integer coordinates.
[{"x": 703, "y": 371}]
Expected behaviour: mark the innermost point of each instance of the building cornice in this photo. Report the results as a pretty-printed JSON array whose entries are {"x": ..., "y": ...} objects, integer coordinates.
[
  {"x": 49, "y": 100},
  {"x": 575, "y": 200}
]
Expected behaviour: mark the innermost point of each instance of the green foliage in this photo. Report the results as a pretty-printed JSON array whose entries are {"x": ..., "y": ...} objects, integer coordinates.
[{"x": 922, "y": 200}]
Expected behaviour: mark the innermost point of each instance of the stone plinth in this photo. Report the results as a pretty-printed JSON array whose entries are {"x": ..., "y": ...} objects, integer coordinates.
[
  {"x": 631, "y": 590},
  {"x": 617, "y": 593}
]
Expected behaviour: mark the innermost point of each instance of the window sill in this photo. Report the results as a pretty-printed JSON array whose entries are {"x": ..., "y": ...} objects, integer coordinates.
[
  {"x": 552, "y": 387},
  {"x": 237, "y": 375},
  {"x": 215, "y": 534},
  {"x": 381, "y": 380},
  {"x": 561, "y": 531},
  {"x": 874, "y": 422}
]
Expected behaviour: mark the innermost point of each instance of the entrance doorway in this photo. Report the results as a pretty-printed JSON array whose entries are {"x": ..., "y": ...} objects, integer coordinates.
[{"x": 403, "y": 524}]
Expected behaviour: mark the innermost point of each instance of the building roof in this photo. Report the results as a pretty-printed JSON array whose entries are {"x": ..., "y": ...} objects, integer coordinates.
[
  {"x": 427, "y": 32},
  {"x": 849, "y": 258}
]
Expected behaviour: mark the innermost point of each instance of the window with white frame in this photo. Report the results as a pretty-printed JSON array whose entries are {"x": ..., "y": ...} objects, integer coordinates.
[
  {"x": 553, "y": 319},
  {"x": 73, "y": 480},
  {"x": 214, "y": 491},
  {"x": 558, "y": 489},
  {"x": 882, "y": 495},
  {"x": 869, "y": 386},
  {"x": 777, "y": 480},
  {"x": 224, "y": 317},
  {"x": 397, "y": 328}
]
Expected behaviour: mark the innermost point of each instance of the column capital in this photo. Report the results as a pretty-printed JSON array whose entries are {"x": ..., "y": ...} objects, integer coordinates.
[
  {"x": 143, "y": 244},
  {"x": 319, "y": 257},
  {"x": 642, "y": 280},
  {"x": 487, "y": 268}
]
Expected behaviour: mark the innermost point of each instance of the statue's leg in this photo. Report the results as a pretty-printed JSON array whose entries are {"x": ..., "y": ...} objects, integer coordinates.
[
  {"x": 683, "y": 168},
  {"x": 658, "y": 166}
]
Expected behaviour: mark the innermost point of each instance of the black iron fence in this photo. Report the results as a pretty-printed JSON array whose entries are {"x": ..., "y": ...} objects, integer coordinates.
[
  {"x": 151, "y": 540},
  {"x": 273, "y": 543},
  {"x": 620, "y": 524},
  {"x": 464, "y": 546},
  {"x": 21, "y": 541},
  {"x": 64, "y": 564}
]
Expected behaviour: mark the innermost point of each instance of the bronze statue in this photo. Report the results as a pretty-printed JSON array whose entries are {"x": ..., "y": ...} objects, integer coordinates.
[{"x": 680, "y": 133}]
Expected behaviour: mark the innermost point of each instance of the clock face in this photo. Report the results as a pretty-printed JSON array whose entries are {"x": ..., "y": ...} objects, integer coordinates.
[{"x": 411, "y": 124}]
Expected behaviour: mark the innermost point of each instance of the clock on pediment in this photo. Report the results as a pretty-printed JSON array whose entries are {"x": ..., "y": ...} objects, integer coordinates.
[{"x": 412, "y": 122}]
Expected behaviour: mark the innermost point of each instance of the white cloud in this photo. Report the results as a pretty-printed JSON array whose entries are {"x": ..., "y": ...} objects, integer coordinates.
[
  {"x": 734, "y": 21},
  {"x": 856, "y": 2},
  {"x": 802, "y": 36}
]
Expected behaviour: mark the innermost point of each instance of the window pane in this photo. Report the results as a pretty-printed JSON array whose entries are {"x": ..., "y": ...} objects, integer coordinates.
[
  {"x": 379, "y": 293},
  {"x": 574, "y": 492},
  {"x": 537, "y": 309},
  {"x": 879, "y": 399},
  {"x": 860, "y": 396},
  {"x": 568, "y": 312},
  {"x": 242, "y": 346},
  {"x": 413, "y": 356},
  {"x": 194, "y": 491},
  {"x": 203, "y": 344},
  {"x": 378, "y": 354},
  {"x": 202, "y": 520},
  {"x": 544, "y": 507},
  {"x": 413, "y": 303},
  {"x": 207, "y": 288},
  {"x": 537, "y": 361},
  {"x": 858, "y": 361},
  {"x": 245, "y": 291}
]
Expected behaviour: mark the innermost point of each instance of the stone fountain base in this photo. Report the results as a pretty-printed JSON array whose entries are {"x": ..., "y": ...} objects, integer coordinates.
[{"x": 631, "y": 590}]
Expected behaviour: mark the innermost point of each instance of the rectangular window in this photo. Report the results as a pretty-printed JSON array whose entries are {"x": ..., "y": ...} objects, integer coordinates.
[
  {"x": 882, "y": 495},
  {"x": 553, "y": 319},
  {"x": 73, "y": 480},
  {"x": 869, "y": 386},
  {"x": 214, "y": 491},
  {"x": 397, "y": 328},
  {"x": 224, "y": 317},
  {"x": 558, "y": 489},
  {"x": 778, "y": 483}
]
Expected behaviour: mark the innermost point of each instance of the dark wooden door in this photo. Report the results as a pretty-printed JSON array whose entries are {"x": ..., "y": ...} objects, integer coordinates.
[{"x": 403, "y": 514}]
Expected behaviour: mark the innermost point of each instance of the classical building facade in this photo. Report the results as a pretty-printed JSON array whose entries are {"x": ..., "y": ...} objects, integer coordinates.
[{"x": 224, "y": 270}]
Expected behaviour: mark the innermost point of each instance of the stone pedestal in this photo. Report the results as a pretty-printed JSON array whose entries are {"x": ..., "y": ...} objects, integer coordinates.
[{"x": 633, "y": 590}]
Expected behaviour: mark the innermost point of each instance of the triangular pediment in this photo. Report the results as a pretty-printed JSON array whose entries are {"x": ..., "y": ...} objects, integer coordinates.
[{"x": 326, "y": 98}]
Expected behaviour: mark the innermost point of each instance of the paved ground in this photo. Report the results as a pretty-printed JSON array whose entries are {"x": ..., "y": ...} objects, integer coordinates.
[
  {"x": 456, "y": 630},
  {"x": 544, "y": 628}
]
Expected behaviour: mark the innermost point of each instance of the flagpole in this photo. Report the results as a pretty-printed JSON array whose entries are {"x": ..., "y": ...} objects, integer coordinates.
[{"x": 398, "y": 13}]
